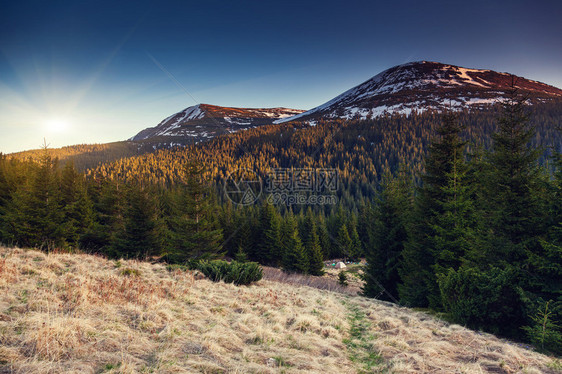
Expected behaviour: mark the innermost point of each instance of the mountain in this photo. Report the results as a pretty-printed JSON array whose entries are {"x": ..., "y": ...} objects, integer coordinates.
[
  {"x": 204, "y": 121},
  {"x": 422, "y": 86}
]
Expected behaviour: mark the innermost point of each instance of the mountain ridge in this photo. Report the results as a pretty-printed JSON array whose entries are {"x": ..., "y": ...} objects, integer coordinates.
[
  {"x": 424, "y": 85},
  {"x": 205, "y": 121}
]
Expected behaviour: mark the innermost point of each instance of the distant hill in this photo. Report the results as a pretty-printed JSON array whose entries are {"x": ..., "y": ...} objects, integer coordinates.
[
  {"x": 69, "y": 313},
  {"x": 87, "y": 156},
  {"x": 203, "y": 122}
]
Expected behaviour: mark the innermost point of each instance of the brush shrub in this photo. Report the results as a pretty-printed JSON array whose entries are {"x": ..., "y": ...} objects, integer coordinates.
[
  {"x": 239, "y": 273},
  {"x": 486, "y": 300}
]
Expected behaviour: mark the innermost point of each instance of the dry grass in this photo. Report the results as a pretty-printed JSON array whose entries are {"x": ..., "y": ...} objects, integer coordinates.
[
  {"x": 328, "y": 282},
  {"x": 84, "y": 314}
]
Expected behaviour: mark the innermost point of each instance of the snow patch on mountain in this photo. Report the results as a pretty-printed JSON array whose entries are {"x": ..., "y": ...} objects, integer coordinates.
[
  {"x": 204, "y": 121},
  {"x": 423, "y": 86}
]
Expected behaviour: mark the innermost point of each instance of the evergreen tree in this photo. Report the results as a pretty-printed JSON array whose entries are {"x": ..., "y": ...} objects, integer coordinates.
[
  {"x": 387, "y": 238},
  {"x": 344, "y": 241},
  {"x": 12, "y": 175},
  {"x": 313, "y": 252},
  {"x": 245, "y": 242},
  {"x": 269, "y": 250},
  {"x": 33, "y": 217},
  {"x": 356, "y": 248},
  {"x": 443, "y": 162},
  {"x": 194, "y": 234},
  {"x": 107, "y": 222},
  {"x": 139, "y": 237},
  {"x": 76, "y": 206},
  {"x": 294, "y": 259},
  {"x": 510, "y": 180},
  {"x": 324, "y": 238}
]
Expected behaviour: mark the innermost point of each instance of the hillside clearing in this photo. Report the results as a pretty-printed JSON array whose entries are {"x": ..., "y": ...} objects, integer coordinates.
[{"x": 77, "y": 313}]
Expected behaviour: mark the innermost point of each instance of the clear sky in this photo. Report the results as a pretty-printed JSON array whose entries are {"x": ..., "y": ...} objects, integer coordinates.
[{"x": 90, "y": 71}]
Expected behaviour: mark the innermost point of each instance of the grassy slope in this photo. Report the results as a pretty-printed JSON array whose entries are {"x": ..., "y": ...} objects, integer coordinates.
[{"x": 84, "y": 314}]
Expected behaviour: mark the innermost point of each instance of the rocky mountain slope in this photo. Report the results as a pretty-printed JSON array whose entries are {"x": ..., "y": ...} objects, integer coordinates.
[
  {"x": 422, "y": 86},
  {"x": 203, "y": 122}
]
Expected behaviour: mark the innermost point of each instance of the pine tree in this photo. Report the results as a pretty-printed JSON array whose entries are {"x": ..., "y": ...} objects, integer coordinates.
[
  {"x": 356, "y": 248},
  {"x": 444, "y": 161},
  {"x": 324, "y": 238},
  {"x": 230, "y": 226},
  {"x": 269, "y": 249},
  {"x": 76, "y": 206},
  {"x": 344, "y": 241},
  {"x": 12, "y": 175},
  {"x": 245, "y": 242},
  {"x": 387, "y": 237},
  {"x": 294, "y": 259},
  {"x": 510, "y": 180},
  {"x": 194, "y": 234},
  {"x": 312, "y": 249},
  {"x": 33, "y": 217},
  {"x": 139, "y": 237},
  {"x": 107, "y": 200}
]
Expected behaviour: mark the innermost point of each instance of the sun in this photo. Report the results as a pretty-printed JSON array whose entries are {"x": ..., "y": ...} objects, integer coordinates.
[{"x": 56, "y": 125}]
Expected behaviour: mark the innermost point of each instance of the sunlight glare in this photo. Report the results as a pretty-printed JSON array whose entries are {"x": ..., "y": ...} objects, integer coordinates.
[{"x": 56, "y": 125}]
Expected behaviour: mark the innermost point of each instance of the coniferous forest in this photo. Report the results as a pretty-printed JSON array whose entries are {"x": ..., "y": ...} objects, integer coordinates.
[{"x": 460, "y": 213}]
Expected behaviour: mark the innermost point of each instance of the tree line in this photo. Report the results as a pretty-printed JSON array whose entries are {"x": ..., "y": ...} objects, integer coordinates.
[
  {"x": 49, "y": 206},
  {"x": 480, "y": 239}
]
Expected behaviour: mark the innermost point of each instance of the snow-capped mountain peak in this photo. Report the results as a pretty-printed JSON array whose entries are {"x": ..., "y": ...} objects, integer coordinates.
[
  {"x": 204, "y": 121},
  {"x": 424, "y": 85}
]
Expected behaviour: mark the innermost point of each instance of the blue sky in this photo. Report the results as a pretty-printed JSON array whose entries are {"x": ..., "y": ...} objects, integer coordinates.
[{"x": 85, "y": 71}]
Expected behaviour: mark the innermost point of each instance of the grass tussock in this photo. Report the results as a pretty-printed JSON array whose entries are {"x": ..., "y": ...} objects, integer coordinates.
[{"x": 63, "y": 313}]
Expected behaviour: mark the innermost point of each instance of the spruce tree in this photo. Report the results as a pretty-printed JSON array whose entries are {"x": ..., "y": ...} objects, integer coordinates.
[
  {"x": 344, "y": 241},
  {"x": 139, "y": 237},
  {"x": 269, "y": 243},
  {"x": 387, "y": 237},
  {"x": 312, "y": 249},
  {"x": 445, "y": 158},
  {"x": 510, "y": 181},
  {"x": 33, "y": 217},
  {"x": 108, "y": 207},
  {"x": 245, "y": 242},
  {"x": 76, "y": 206},
  {"x": 324, "y": 238},
  {"x": 194, "y": 233},
  {"x": 294, "y": 258},
  {"x": 356, "y": 248}
]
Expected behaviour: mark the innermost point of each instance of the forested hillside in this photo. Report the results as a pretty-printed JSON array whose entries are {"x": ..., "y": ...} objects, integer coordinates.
[
  {"x": 87, "y": 156},
  {"x": 361, "y": 151}
]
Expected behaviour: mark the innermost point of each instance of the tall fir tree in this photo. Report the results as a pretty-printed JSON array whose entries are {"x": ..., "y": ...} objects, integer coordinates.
[
  {"x": 445, "y": 157},
  {"x": 194, "y": 233},
  {"x": 510, "y": 182},
  {"x": 269, "y": 247},
  {"x": 356, "y": 248},
  {"x": 139, "y": 237},
  {"x": 108, "y": 206},
  {"x": 344, "y": 241},
  {"x": 294, "y": 258},
  {"x": 312, "y": 250},
  {"x": 387, "y": 237},
  {"x": 76, "y": 206}
]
